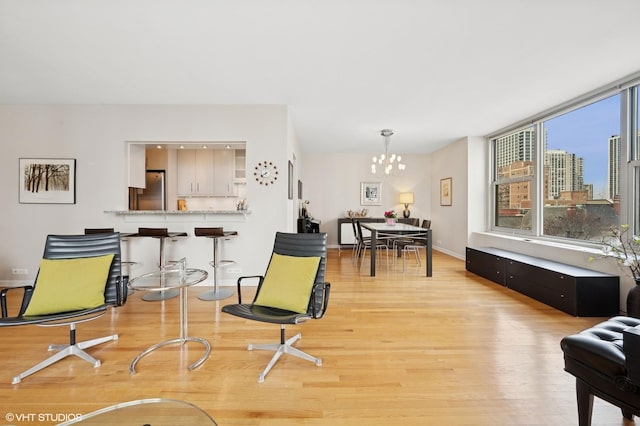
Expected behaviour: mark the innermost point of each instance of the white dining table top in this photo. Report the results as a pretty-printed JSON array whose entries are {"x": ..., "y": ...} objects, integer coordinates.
[{"x": 398, "y": 227}]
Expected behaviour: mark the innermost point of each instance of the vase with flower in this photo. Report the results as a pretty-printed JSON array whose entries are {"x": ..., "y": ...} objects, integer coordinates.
[
  {"x": 624, "y": 248},
  {"x": 391, "y": 217}
]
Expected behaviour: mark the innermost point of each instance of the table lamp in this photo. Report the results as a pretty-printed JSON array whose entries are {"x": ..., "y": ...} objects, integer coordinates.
[{"x": 406, "y": 198}]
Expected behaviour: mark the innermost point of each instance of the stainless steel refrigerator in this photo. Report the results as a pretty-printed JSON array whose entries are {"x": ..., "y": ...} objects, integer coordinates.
[{"x": 153, "y": 196}]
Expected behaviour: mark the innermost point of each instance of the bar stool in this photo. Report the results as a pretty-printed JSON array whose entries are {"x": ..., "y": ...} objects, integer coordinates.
[
  {"x": 162, "y": 235},
  {"x": 125, "y": 263},
  {"x": 216, "y": 234}
]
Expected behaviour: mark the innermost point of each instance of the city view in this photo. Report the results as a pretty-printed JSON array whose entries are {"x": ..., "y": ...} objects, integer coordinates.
[{"x": 581, "y": 173}]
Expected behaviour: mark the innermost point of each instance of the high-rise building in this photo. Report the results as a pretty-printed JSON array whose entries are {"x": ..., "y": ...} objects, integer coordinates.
[
  {"x": 613, "y": 167},
  {"x": 517, "y": 146},
  {"x": 565, "y": 172}
]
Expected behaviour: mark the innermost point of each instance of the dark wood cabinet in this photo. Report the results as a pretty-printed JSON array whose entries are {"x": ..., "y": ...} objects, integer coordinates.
[
  {"x": 574, "y": 290},
  {"x": 486, "y": 264}
]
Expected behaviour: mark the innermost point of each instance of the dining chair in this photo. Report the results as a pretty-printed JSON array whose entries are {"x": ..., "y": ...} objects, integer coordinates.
[
  {"x": 366, "y": 243},
  {"x": 412, "y": 245}
]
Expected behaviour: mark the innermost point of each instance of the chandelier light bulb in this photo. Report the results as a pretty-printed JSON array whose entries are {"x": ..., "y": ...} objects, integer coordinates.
[{"x": 386, "y": 160}]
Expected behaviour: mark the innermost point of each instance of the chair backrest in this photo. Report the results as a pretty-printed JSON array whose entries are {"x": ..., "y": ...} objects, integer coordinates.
[
  {"x": 305, "y": 245},
  {"x": 426, "y": 223},
  {"x": 355, "y": 231},
  {"x": 90, "y": 245},
  {"x": 359, "y": 235}
]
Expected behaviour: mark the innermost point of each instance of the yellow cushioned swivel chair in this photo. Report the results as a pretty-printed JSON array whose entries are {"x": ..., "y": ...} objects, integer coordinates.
[
  {"x": 79, "y": 278},
  {"x": 292, "y": 291}
]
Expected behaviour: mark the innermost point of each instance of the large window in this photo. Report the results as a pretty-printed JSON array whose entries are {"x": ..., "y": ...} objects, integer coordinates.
[
  {"x": 581, "y": 151},
  {"x": 564, "y": 174}
]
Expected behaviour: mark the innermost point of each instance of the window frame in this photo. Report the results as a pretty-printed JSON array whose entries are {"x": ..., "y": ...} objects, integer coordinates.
[
  {"x": 629, "y": 175},
  {"x": 496, "y": 182}
]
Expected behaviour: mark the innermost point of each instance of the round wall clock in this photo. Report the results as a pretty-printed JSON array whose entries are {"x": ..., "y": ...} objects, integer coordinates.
[{"x": 266, "y": 173}]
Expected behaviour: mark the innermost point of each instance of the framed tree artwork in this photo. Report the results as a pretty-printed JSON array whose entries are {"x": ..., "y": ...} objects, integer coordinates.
[{"x": 47, "y": 180}]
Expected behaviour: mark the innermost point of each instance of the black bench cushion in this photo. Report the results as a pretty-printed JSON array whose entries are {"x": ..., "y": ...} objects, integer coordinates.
[{"x": 600, "y": 347}]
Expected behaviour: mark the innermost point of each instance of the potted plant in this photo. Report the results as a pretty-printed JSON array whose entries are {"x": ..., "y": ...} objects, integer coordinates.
[
  {"x": 391, "y": 216},
  {"x": 625, "y": 250}
]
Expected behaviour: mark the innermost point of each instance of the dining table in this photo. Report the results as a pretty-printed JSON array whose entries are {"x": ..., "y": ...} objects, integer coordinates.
[{"x": 386, "y": 231}]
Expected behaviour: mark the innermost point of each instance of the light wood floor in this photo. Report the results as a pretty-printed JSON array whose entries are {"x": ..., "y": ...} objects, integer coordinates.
[{"x": 453, "y": 349}]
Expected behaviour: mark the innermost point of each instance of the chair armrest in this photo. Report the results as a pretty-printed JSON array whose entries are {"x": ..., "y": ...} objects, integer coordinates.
[
  {"x": 320, "y": 298},
  {"x": 631, "y": 349},
  {"x": 26, "y": 297},
  {"x": 240, "y": 279}
]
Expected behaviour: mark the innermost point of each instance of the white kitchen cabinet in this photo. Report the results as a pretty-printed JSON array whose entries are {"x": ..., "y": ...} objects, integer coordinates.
[
  {"x": 206, "y": 172},
  {"x": 137, "y": 166},
  {"x": 195, "y": 172},
  {"x": 223, "y": 173}
]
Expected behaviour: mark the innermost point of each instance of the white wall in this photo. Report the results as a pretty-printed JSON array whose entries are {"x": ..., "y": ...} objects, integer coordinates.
[
  {"x": 477, "y": 185},
  {"x": 449, "y": 223},
  {"x": 331, "y": 182},
  {"x": 95, "y": 136}
]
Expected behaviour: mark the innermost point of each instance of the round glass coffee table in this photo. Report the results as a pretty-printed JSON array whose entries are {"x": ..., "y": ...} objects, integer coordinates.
[
  {"x": 153, "y": 411},
  {"x": 176, "y": 276}
]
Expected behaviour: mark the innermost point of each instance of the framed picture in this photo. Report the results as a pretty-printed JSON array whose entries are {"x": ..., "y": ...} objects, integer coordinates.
[
  {"x": 47, "y": 180},
  {"x": 299, "y": 190},
  {"x": 290, "y": 180},
  {"x": 370, "y": 193},
  {"x": 445, "y": 191}
]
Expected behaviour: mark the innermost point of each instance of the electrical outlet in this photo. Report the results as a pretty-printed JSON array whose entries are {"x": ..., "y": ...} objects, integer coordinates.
[
  {"x": 20, "y": 271},
  {"x": 234, "y": 270}
]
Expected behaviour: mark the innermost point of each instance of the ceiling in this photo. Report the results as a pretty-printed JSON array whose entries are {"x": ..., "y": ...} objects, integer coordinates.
[{"x": 431, "y": 70}]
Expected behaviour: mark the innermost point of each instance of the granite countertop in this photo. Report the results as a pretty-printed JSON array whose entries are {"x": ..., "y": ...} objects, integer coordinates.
[{"x": 178, "y": 212}]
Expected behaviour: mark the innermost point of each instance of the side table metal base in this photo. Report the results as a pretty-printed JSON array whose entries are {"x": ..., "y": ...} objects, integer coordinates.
[
  {"x": 217, "y": 294},
  {"x": 181, "y": 342},
  {"x": 154, "y": 296}
]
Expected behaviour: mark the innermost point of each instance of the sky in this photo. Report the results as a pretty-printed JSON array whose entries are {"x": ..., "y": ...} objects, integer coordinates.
[{"x": 585, "y": 132}]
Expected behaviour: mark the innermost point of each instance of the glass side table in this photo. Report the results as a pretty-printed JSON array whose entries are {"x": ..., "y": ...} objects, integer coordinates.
[
  {"x": 176, "y": 276},
  {"x": 153, "y": 411}
]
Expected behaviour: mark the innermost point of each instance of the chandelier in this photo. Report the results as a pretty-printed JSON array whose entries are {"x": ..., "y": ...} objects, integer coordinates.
[{"x": 386, "y": 164}]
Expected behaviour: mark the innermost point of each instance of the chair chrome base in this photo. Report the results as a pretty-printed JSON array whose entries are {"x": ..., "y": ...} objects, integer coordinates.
[
  {"x": 65, "y": 351},
  {"x": 216, "y": 294},
  {"x": 282, "y": 348},
  {"x": 154, "y": 296}
]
